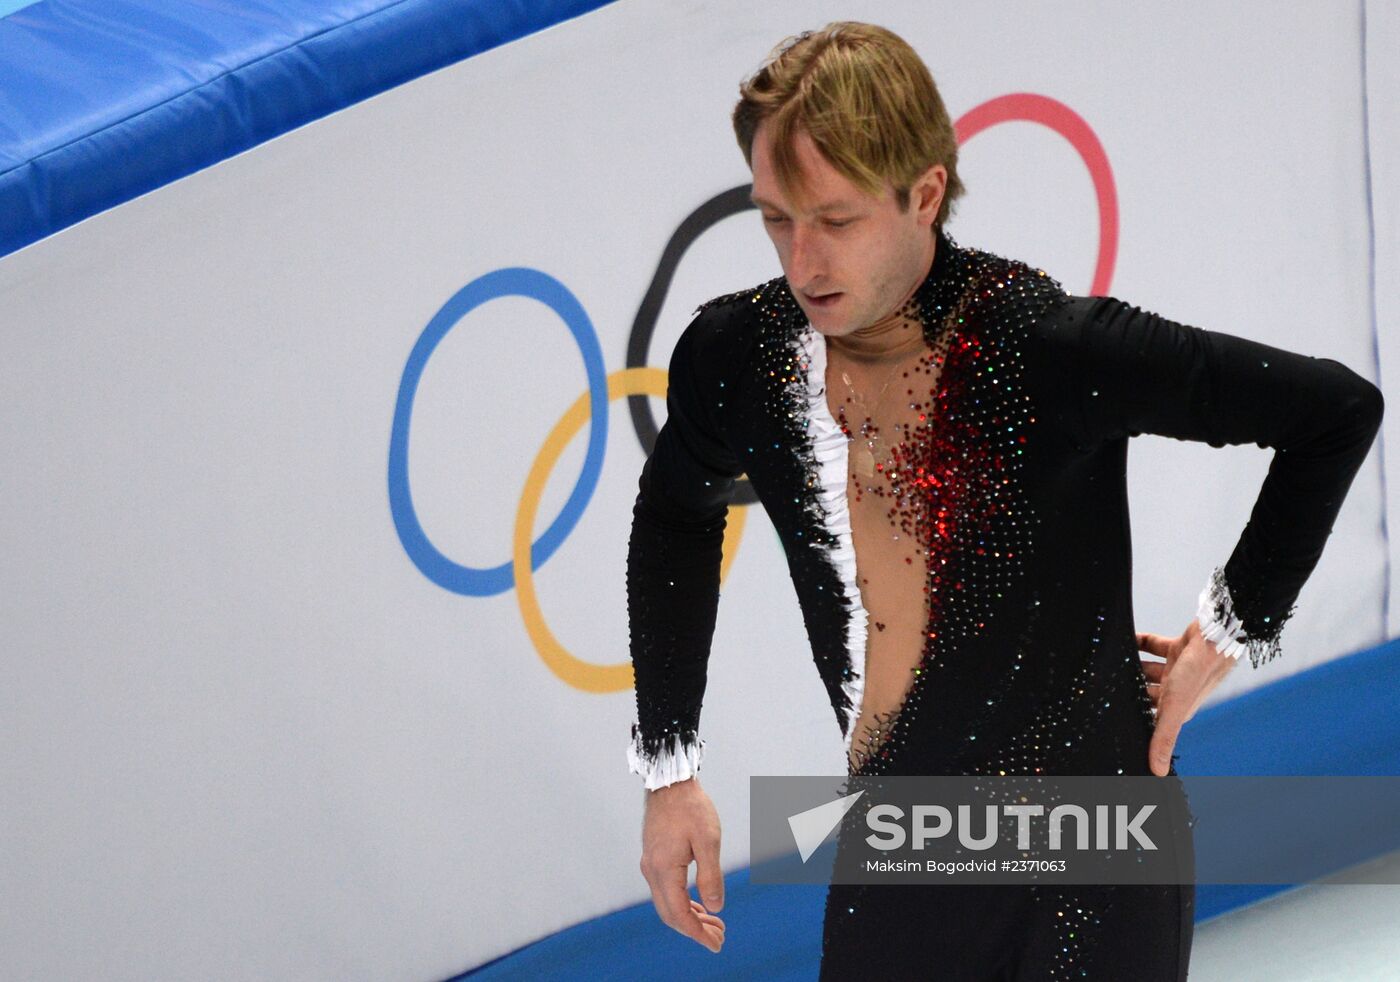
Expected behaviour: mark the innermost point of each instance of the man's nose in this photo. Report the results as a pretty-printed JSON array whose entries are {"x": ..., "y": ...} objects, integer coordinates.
[{"x": 804, "y": 258}]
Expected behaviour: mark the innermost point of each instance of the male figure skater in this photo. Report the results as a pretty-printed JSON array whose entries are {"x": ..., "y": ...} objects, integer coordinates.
[{"x": 939, "y": 436}]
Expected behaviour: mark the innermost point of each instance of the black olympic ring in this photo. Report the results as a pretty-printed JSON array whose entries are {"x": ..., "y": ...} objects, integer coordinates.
[{"x": 709, "y": 214}]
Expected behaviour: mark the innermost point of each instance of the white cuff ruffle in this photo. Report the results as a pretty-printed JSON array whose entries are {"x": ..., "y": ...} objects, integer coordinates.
[
  {"x": 676, "y": 761},
  {"x": 1225, "y": 635}
]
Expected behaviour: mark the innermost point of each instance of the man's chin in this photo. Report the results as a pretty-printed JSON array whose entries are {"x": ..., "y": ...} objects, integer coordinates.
[
  {"x": 833, "y": 329},
  {"x": 833, "y": 322}
]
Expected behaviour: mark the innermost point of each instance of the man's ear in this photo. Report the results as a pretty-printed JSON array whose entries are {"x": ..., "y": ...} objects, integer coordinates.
[{"x": 927, "y": 192}]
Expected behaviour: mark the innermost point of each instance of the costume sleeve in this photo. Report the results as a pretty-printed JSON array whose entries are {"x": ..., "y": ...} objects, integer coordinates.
[
  {"x": 673, "y": 565},
  {"x": 1130, "y": 371}
]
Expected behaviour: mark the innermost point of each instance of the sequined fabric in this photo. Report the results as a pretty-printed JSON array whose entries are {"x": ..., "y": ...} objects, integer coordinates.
[{"x": 969, "y": 606}]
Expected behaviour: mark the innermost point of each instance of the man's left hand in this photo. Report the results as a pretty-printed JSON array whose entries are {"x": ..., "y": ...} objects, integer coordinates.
[{"x": 1177, "y": 687}]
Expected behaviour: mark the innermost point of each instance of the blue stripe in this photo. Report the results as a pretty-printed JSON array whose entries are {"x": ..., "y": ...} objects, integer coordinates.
[{"x": 104, "y": 100}]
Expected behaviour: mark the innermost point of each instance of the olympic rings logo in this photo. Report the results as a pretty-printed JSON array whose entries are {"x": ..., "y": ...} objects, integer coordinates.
[{"x": 636, "y": 382}]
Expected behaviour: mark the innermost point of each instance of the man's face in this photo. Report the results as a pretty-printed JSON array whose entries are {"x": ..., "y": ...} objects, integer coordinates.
[{"x": 858, "y": 251}]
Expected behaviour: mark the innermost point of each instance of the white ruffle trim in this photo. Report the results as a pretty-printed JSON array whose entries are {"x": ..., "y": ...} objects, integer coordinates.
[
  {"x": 676, "y": 761},
  {"x": 831, "y": 448},
  {"x": 1225, "y": 635}
]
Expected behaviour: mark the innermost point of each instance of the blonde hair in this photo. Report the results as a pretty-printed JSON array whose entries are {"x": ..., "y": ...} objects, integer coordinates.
[{"x": 868, "y": 102}]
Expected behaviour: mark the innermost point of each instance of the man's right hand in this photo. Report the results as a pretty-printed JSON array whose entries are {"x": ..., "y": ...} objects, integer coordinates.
[{"x": 681, "y": 826}]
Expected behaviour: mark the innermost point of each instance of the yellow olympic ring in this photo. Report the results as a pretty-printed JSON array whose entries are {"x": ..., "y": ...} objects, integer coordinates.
[{"x": 580, "y": 674}]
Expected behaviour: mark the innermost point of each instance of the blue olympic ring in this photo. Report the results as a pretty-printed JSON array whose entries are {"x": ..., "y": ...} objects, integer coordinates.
[{"x": 516, "y": 281}]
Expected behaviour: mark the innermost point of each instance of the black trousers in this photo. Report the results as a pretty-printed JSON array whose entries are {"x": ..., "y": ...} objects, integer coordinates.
[{"x": 984, "y": 932}]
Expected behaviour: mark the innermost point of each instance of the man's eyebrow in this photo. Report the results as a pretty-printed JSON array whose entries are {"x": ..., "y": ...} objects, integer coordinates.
[{"x": 820, "y": 210}]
